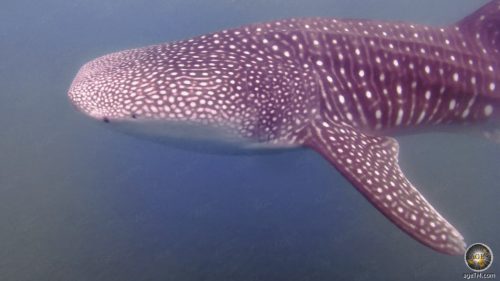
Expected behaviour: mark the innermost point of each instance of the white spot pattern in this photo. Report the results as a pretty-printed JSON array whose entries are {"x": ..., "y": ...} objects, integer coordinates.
[{"x": 271, "y": 82}]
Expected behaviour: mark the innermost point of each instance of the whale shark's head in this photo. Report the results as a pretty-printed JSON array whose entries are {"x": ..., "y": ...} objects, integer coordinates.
[
  {"x": 215, "y": 86},
  {"x": 193, "y": 89},
  {"x": 159, "y": 82},
  {"x": 162, "y": 90}
]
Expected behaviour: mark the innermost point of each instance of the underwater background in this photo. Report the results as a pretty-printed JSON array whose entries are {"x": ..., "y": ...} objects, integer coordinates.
[{"x": 81, "y": 202}]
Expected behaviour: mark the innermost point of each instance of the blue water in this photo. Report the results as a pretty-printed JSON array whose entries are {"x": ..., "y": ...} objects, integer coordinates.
[{"x": 81, "y": 202}]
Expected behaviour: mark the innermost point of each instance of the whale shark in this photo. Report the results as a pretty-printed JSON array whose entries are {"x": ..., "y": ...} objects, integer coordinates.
[{"x": 341, "y": 87}]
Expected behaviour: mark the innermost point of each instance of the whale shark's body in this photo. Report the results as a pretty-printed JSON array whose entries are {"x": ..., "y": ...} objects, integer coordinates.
[{"x": 340, "y": 87}]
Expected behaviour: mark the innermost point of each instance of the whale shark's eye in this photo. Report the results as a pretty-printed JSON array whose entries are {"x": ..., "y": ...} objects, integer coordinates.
[
  {"x": 134, "y": 116},
  {"x": 105, "y": 120}
]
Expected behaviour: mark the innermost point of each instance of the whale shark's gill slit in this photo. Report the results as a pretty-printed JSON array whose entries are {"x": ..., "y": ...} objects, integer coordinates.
[{"x": 371, "y": 165}]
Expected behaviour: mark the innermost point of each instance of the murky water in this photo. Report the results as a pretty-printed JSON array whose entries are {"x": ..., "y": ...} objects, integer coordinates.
[{"x": 81, "y": 202}]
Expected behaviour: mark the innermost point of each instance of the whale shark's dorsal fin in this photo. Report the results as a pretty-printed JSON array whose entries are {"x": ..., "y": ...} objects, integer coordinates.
[
  {"x": 484, "y": 26},
  {"x": 370, "y": 163}
]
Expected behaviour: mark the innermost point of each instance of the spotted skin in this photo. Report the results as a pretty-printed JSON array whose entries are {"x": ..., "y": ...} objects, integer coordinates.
[{"x": 340, "y": 87}]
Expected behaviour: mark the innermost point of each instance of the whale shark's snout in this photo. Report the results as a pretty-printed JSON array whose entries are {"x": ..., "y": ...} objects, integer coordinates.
[
  {"x": 95, "y": 90},
  {"x": 78, "y": 92}
]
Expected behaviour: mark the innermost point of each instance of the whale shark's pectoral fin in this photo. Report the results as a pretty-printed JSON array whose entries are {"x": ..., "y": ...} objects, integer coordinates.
[{"x": 370, "y": 163}]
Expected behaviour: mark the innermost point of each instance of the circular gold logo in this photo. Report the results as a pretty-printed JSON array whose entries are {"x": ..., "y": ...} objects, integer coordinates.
[{"x": 478, "y": 257}]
